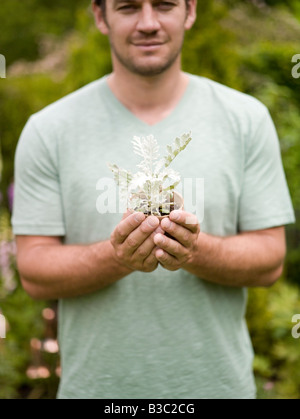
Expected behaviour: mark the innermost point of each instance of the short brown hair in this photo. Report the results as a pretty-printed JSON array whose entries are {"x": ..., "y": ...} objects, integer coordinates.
[{"x": 101, "y": 3}]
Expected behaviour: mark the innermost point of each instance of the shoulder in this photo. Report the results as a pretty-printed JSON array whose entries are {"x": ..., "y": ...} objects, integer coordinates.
[
  {"x": 70, "y": 109},
  {"x": 229, "y": 102},
  {"x": 63, "y": 121}
]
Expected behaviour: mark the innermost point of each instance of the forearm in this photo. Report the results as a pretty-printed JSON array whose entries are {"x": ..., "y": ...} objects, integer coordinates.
[
  {"x": 250, "y": 260},
  {"x": 64, "y": 271}
]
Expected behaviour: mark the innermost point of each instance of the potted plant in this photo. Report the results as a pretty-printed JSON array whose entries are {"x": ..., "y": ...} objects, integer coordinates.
[{"x": 152, "y": 189}]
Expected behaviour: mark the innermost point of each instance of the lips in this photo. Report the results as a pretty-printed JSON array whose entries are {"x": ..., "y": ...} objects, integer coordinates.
[{"x": 147, "y": 44}]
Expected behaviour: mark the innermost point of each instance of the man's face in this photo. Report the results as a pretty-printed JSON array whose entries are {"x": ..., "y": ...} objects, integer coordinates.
[{"x": 146, "y": 36}]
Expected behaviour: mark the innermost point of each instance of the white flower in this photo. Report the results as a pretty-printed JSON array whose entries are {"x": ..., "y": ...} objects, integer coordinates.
[{"x": 151, "y": 188}]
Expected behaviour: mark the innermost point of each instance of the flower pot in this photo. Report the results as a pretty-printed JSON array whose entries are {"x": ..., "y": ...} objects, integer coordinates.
[
  {"x": 165, "y": 208},
  {"x": 178, "y": 205}
]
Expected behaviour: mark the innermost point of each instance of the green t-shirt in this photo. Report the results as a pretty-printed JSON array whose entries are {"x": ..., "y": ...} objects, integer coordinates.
[{"x": 161, "y": 334}]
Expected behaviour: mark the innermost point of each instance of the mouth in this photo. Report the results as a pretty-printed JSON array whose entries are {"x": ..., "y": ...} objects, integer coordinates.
[{"x": 148, "y": 46}]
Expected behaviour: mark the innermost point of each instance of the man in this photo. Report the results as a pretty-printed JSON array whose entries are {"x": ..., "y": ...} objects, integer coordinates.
[{"x": 142, "y": 315}]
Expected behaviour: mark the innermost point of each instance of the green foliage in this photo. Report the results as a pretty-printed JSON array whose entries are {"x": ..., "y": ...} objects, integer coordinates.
[
  {"x": 85, "y": 58},
  {"x": 292, "y": 5},
  {"x": 292, "y": 264},
  {"x": 53, "y": 48},
  {"x": 277, "y": 361},
  {"x": 24, "y": 321},
  {"x": 23, "y": 23},
  {"x": 19, "y": 98},
  {"x": 210, "y": 47}
]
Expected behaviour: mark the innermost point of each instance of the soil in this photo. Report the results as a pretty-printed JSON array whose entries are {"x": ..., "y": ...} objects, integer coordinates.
[{"x": 162, "y": 214}]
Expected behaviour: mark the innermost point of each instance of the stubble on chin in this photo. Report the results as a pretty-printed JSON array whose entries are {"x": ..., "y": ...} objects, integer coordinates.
[{"x": 143, "y": 68}]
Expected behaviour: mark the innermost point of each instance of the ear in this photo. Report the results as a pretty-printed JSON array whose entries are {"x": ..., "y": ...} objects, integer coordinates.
[
  {"x": 100, "y": 20},
  {"x": 191, "y": 14}
]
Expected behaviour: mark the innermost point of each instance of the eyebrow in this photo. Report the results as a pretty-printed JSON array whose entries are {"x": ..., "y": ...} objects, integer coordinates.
[{"x": 116, "y": 2}]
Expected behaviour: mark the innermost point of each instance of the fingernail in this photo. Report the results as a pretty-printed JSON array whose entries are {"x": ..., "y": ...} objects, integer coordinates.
[
  {"x": 175, "y": 215},
  {"x": 159, "y": 253},
  {"x": 166, "y": 223},
  {"x": 158, "y": 239},
  {"x": 152, "y": 221},
  {"x": 139, "y": 217}
]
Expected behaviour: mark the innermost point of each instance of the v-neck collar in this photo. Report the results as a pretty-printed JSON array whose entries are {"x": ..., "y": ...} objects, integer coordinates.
[{"x": 173, "y": 116}]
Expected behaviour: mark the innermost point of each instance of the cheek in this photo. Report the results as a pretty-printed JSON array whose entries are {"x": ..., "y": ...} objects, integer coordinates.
[
  {"x": 123, "y": 28},
  {"x": 174, "y": 31}
]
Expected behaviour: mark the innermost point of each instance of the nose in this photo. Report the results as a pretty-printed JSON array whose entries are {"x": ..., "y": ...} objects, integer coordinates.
[{"x": 147, "y": 19}]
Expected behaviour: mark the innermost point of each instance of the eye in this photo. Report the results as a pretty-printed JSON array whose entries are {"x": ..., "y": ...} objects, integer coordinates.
[
  {"x": 165, "y": 5},
  {"x": 127, "y": 8}
]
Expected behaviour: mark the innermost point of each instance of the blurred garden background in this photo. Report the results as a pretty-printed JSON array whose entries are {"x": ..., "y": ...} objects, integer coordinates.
[{"x": 53, "y": 48}]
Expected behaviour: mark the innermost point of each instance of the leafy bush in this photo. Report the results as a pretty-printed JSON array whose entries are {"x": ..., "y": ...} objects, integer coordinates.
[
  {"x": 235, "y": 42},
  {"x": 24, "y": 323},
  {"x": 277, "y": 361}
]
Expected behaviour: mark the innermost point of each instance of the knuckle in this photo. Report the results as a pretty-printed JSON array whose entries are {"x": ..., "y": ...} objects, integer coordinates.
[
  {"x": 119, "y": 253},
  {"x": 177, "y": 248},
  {"x": 141, "y": 252},
  {"x": 112, "y": 240},
  {"x": 131, "y": 242},
  {"x": 186, "y": 237},
  {"x": 120, "y": 233},
  {"x": 164, "y": 257}
]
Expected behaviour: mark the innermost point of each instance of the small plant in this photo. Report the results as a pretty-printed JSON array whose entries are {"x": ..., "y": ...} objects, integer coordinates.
[{"x": 151, "y": 190}]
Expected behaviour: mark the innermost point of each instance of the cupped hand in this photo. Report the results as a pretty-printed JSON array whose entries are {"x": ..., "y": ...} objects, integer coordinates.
[
  {"x": 133, "y": 241},
  {"x": 184, "y": 228}
]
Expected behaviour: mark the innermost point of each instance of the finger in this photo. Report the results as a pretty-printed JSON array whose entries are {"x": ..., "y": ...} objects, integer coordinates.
[
  {"x": 170, "y": 246},
  {"x": 167, "y": 261},
  {"x": 185, "y": 219},
  {"x": 140, "y": 234},
  {"x": 178, "y": 232},
  {"x": 145, "y": 249},
  {"x": 126, "y": 214},
  {"x": 151, "y": 262},
  {"x": 126, "y": 226}
]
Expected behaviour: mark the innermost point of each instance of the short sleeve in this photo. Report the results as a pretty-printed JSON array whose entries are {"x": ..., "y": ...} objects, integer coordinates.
[
  {"x": 37, "y": 208},
  {"x": 265, "y": 200}
]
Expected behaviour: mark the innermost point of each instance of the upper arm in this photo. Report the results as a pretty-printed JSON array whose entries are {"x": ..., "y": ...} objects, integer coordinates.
[
  {"x": 38, "y": 207},
  {"x": 27, "y": 244},
  {"x": 264, "y": 200}
]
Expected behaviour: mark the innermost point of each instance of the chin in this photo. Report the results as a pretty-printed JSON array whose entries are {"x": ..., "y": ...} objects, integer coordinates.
[
  {"x": 149, "y": 71},
  {"x": 150, "y": 68}
]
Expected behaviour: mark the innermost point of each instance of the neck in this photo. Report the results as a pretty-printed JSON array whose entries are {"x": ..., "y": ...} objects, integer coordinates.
[{"x": 149, "y": 98}]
